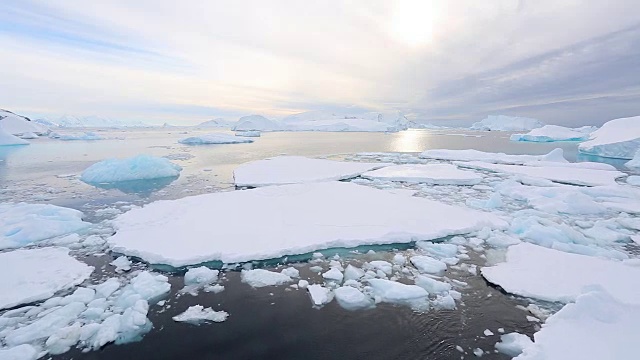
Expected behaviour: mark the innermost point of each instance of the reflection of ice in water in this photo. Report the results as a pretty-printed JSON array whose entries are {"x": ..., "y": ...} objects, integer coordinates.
[
  {"x": 138, "y": 187},
  {"x": 410, "y": 141}
]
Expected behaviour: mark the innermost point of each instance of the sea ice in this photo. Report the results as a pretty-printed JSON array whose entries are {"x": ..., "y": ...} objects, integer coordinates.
[
  {"x": 635, "y": 162},
  {"x": 198, "y": 314},
  {"x": 214, "y": 138},
  {"x": 320, "y": 295},
  {"x": 37, "y": 274},
  {"x": 551, "y": 275},
  {"x": 496, "y": 158},
  {"x": 427, "y": 264},
  {"x": 285, "y": 220},
  {"x": 20, "y": 352},
  {"x": 619, "y": 138},
  {"x": 333, "y": 275},
  {"x": 398, "y": 293},
  {"x": 141, "y": 167},
  {"x": 76, "y": 136},
  {"x": 431, "y": 285},
  {"x": 513, "y": 344},
  {"x": 550, "y": 133},
  {"x": 351, "y": 298},
  {"x": 297, "y": 169},
  {"x": 24, "y": 224},
  {"x": 261, "y": 278},
  {"x": 122, "y": 264},
  {"x": 434, "y": 174},
  {"x": 200, "y": 276},
  {"x": 507, "y": 123}
]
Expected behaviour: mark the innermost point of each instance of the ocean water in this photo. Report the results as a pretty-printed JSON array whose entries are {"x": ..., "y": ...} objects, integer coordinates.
[{"x": 273, "y": 322}]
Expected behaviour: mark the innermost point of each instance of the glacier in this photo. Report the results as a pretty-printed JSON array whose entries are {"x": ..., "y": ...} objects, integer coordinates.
[{"x": 141, "y": 167}]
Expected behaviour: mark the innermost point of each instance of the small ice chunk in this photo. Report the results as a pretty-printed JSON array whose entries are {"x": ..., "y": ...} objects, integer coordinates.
[
  {"x": 214, "y": 138},
  {"x": 431, "y": 285},
  {"x": 478, "y": 352},
  {"x": 261, "y": 278},
  {"x": 427, "y": 264},
  {"x": 291, "y": 272},
  {"x": 353, "y": 273},
  {"x": 512, "y": 344},
  {"x": 122, "y": 264},
  {"x": 395, "y": 292},
  {"x": 302, "y": 284},
  {"x": 488, "y": 332},
  {"x": 320, "y": 295},
  {"x": 351, "y": 298},
  {"x": 198, "y": 314},
  {"x": 384, "y": 266},
  {"x": 200, "y": 276},
  {"x": 333, "y": 275}
]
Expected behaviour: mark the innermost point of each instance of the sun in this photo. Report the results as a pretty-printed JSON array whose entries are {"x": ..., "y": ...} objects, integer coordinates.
[{"x": 412, "y": 21}]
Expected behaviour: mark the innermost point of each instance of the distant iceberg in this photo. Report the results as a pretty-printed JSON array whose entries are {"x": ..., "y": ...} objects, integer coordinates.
[
  {"x": 507, "y": 123},
  {"x": 550, "y": 133},
  {"x": 217, "y": 123},
  {"x": 76, "y": 136},
  {"x": 324, "y": 121},
  {"x": 248, "y": 133},
  {"x": 7, "y": 139},
  {"x": 619, "y": 138},
  {"x": 140, "y": 167},
  {"x": 215, "y": 138},
  {"x": 256, "y": 122}
]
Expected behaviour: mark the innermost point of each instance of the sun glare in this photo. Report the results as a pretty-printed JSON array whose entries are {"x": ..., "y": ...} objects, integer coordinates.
[{"x": 412, "y": 21}]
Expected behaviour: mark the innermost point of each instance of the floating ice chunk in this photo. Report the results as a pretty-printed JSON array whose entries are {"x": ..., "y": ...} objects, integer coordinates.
[
  {"x": 432, "y": 286},
  {"x": 46, "y": 325},
  {"x": 507, "y": 123},
  {"x": 552, "y": 275},
  {"x": 291, "y": 272},
  {"x": 261, "y": 278},
  {"x": 619, "y": 138},
  {"x": 200, "y": 276},
  {"x": 20, "y": 352},
  {"x": 37, "y": 274},
  {"x": 427, "y": 264},
  {"x": 303, "y": 284},
  {"x": 440, "y": 251},
  {"x": 320, "y": 295},
  {"x": 512, "y": 344},
  {"x": 395, "y": 292},
  {"x": 146, "y": 286},
  {"x": 248, "y": 133},
  {"x": 24, "y": 224},
  {"x": 122, "y": 264},
  {"x": 435, "y": 174},
  {"x": 353, "y": 273},
  {"x": 384, "y": 266},
  {"x": 198, "y": 314},
  {"x": 333, "y": 275},
  {"x": 497, "y": 158},
  {"x": 7, "y": 139},
  {"x": 596, "y": 326},
  {"x": 297, "y": 169},
  {"x": 635, "y": 162},
  {"x": 399, "y": 259},
  {"x": 107, "y": 288},
  {"x": 550, "y": 133},
  {"x": 351, "y": 298},
  {"x": 318, "y": 216},
  {"x": 256, "y": 123},
  {"x": 487, "y": 332},
  {"x": 76, "y": 136},
  {"x": 141, "y": 167},
  {"x": 215, "y": 138}
]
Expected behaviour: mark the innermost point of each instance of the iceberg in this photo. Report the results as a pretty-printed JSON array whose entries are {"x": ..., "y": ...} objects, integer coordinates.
[
  {"x": 198, "y": 314},
  {"x": 550, "y": 133},
  {"x": 76, "y": 136},
  {"x": 297, "y": 169},
  {"x": 285, "y": 220},
  {"x": 215, "y": 138},
  {"x": 434, "y": 174},
  {"x": 507, "y": 123},
  {"x": 495, "y": 158},
  {"x": 256, "y": 123},
  {"x": 7, "y": 139},
  {"x": 141, "y": 167},
  {"x": 24, "y": 224},
  {"x": 324, "y": 121},
  {"x": 619, "y": 138},
  {"x": 248, "y": 133},
  {"x": 37, "y": 274},
  {"x": 216, "y": 123},
  {"x": 15, "y": 124},
  {"x": 551, "y": 275}
]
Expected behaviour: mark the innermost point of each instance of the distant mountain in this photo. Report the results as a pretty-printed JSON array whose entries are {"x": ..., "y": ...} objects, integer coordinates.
[
  {"x": 70, "y": 121},
  {"x": 217, "y": 123},
  {"x": 15, "y": 124}
]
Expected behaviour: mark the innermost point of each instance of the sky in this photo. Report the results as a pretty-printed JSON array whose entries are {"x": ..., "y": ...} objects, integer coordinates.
[{"x": 570, "y": 62}]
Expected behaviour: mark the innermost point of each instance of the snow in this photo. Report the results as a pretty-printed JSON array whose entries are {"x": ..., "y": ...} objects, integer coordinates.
[
  {"x": 6, "y": 139},
  {"x": 17, "y": 125},
  {"x": 434, "y": 174},
  {"x": 596, "y": 326},
  {"x": 285, "y": 220},
  {"x": 619, "y": 138},
  {"x": 550, "y": 133},
  {"x": 198, "y": 314},
  {"x": 320, "y": 295},
  {"x": 256, "y": 123},
  {"x": 37, "y": 274},
  {"x": 297, "y": 169},
  {"x": 24, "y": 224},
  {"x": 496, "y": 158},
  {"x": 552, "y": 275},
  {"x": 561, "y": 173},
  {"x": 76, "y": 136},
  {"x": 426, "y": 264},
  {"x": 351, "y": 298},
  {"x": 507, "y": 123},
  {"x": 262, "y": 278},
  {"x": 635, "y": 162},
  {"x": 141, "y": 167},
  {"x": 214, "y": 138},
  {"x": 248, "y": 133}
]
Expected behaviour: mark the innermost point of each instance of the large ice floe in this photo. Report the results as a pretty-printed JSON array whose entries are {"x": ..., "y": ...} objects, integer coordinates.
[
  {"x": 141, "y": 167},
  {"x": 7, "y": 139},
  {"x": 24, "y": 224},
  {"x": 215, "y": 138},
  {"x": 619, "y": 138},
  {"x": 550, "y": 133},
  {"x": 37, "y": 274},
  {"x": 507, "y": 123},
  {"x": 436, "y": 174},
  {"x": 297, "y": 169},
  {"x": 285, "y": 220}
]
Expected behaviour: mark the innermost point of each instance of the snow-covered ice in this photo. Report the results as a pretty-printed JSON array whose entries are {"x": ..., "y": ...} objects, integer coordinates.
[
  {"x": 398, "y": 293},
  {"x": 427, "y": 264},
  {"x": 214, "y": 138},
  {"x": 435, "y": 174},
  {"x": 297, "y": 169},
  {"x": 17, "y": 125},
  {"x": 122, "y": 264},
  {"x": 76, "y": 136},
  {"x": 351, "y": 298},
  {"x": 551, "y": 275},
  {"x": 248, "y": 133},
  {"x": 262, "y": 278},
  {"x": 198, "y": 314},
  {"x": 507, "y": 123},
  {"x": 7, "y": 139},
  {"x": 550, "y": 133},
  {"x": 619, "y": 138},
  {"x": 489, "y": 157},
  {"x": 513, "y": 344},
  {"x": 37, "y": 274},
  {"x": 24, "y": 224},
  {"x": 285, "y": 220},
  {"x": 635, "y": 162},
  {"x": 200, "y": 276},
  {"x": 333, "y": 275},
  {"x": 141, "y": 167},
  {"x": 320, "y": 295}
]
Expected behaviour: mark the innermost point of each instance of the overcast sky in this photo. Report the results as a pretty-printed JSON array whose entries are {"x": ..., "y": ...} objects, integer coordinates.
[{"x": 567, "y": 62}]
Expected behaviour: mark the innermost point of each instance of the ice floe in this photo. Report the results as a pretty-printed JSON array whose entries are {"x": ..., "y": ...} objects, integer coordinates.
[
  {"x": 198, "y": 314},
  {"x": 552, "y": 275},
  {"x": 141, "y": 167},
  {"x": 619, "y": 138},
  {"x": 37, "y": 274},
  {"x": 214, "y": 138},
  {"x": 24, "y": 224},
  {"x": 489, "y": 157},
  {"x": 435, "y": 174},
  {"x": 507, "y": 123},
  {"x": 550, "y": 133},
  {"x": 262, "y": 278},
  {"x": 352, "y": 298},
  {"x": 285, "y": 220},
  {"x": 513, "y": 344}
]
